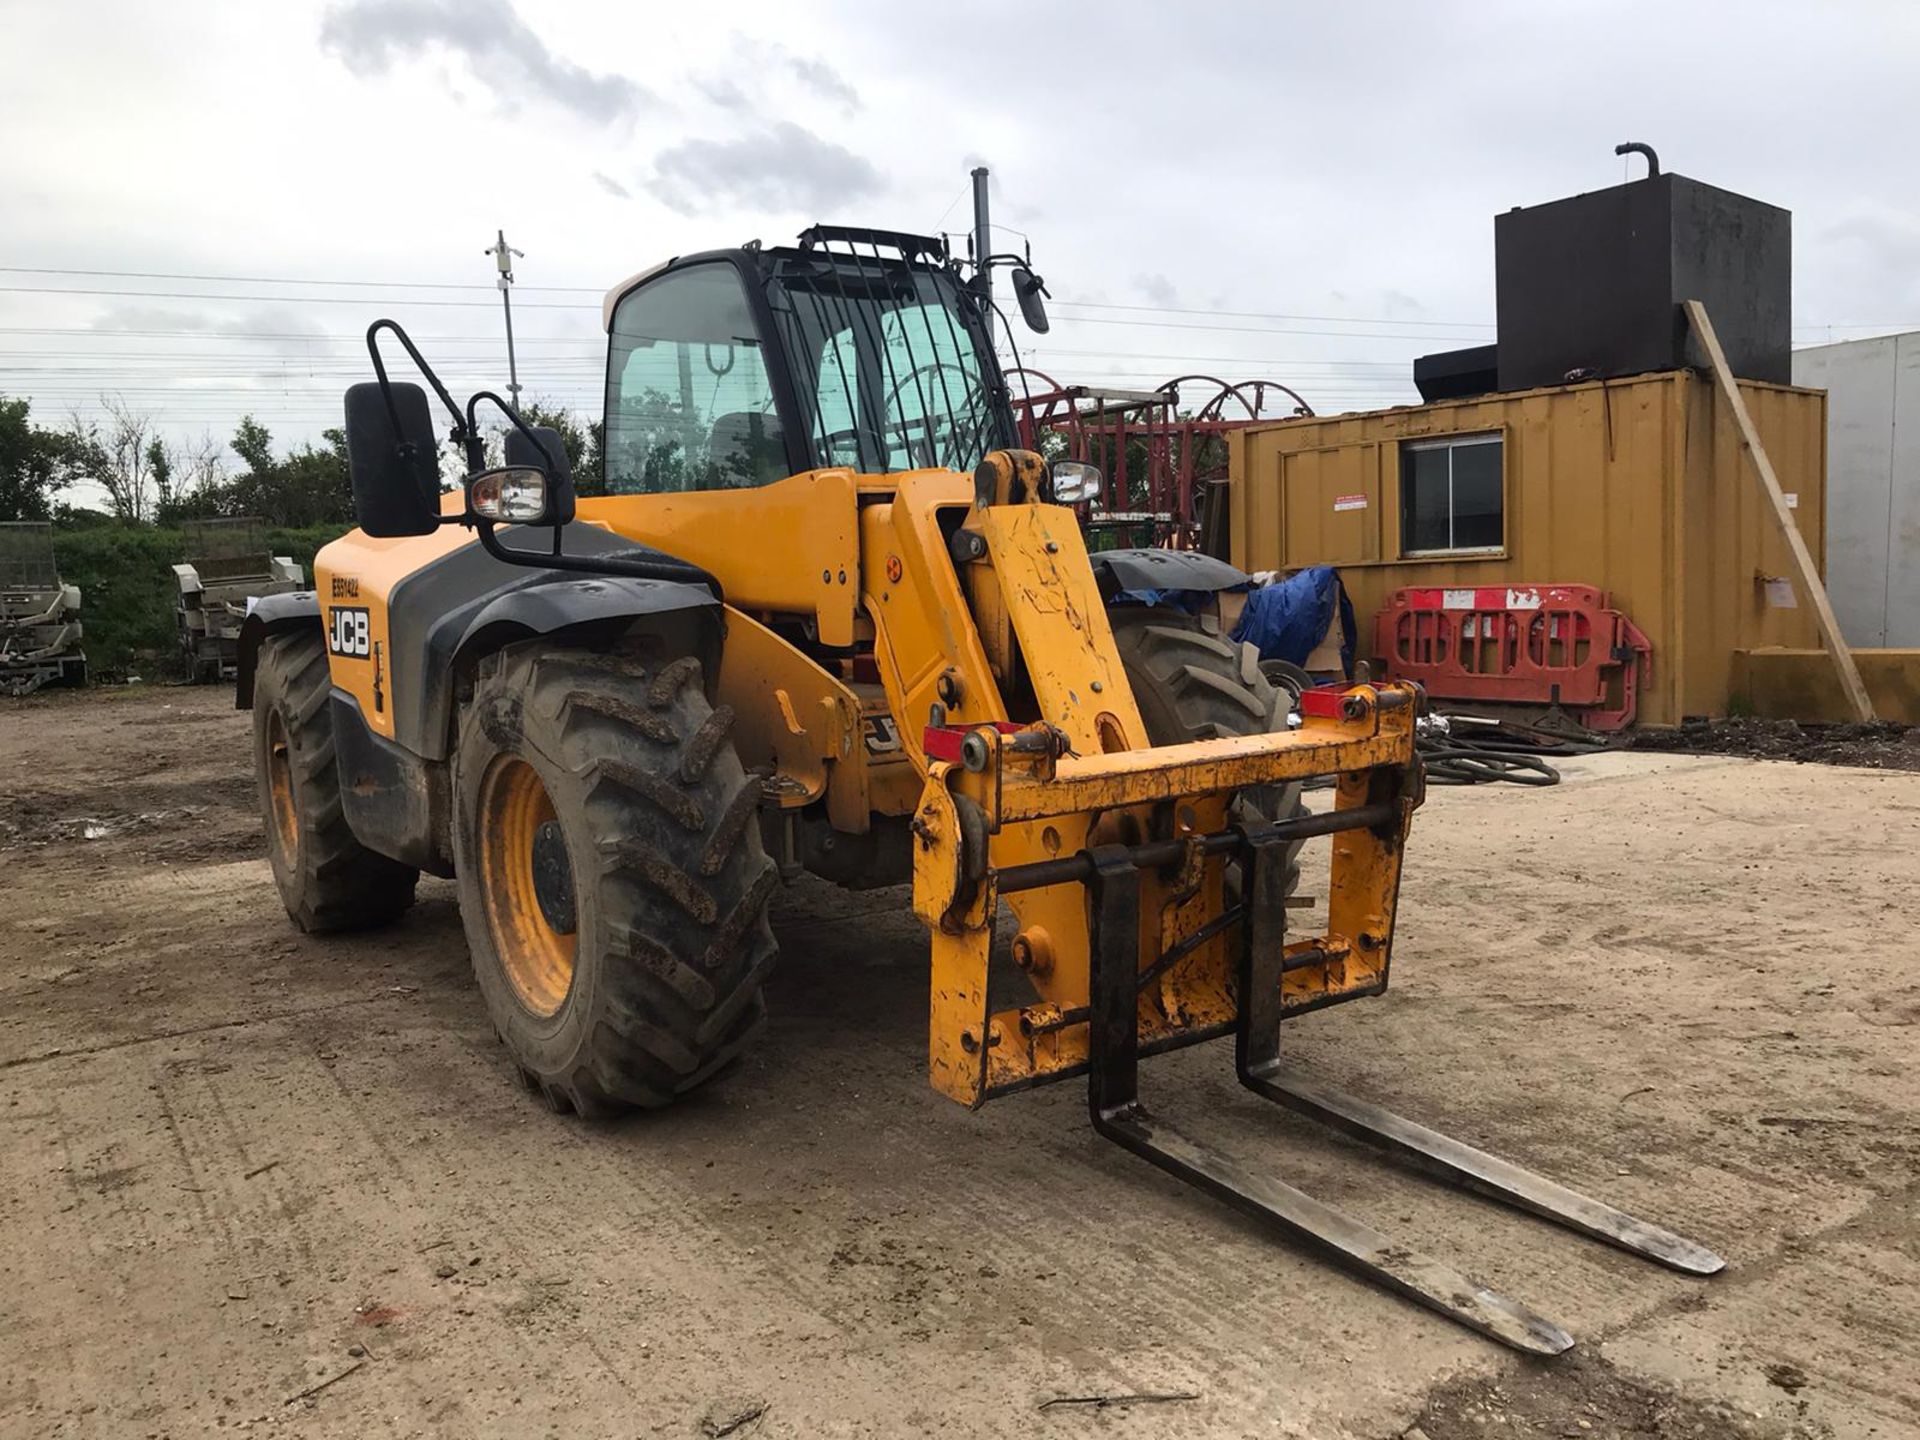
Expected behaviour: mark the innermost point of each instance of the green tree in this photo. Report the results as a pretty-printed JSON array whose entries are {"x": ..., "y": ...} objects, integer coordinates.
[
  {"x": 572, "y": 435},
  {"x": 160, "y": 466},
  {"x": 34, "y": 464},
  {"x": 117, "y": 456},
  {"x": 309, "y": 486},
  {"x": 253, "y": 443},
  {"x": 581, "y": 438},
  {"x": 591, "y": 477},
  {"x": 195, "y": 487},
  {"x": 578, "y": 436}
]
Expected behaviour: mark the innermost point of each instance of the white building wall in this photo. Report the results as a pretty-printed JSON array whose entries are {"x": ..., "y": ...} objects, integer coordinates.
[{"x": 1873, "y": 484}]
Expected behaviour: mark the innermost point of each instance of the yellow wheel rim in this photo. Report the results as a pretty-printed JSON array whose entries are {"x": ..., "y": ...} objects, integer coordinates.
[
  {"x": 537, "y": 958},
  {"x": 281, "y": 813}
]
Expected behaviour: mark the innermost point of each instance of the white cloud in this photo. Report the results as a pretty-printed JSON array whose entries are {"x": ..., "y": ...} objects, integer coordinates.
[
  {"x": 370, "y": 35},
  {"x": 782, "y": 170}
]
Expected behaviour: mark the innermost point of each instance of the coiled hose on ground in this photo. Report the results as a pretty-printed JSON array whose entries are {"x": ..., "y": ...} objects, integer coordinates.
[
  {"x": 1472, "y": 750},
  {"x": 1469, "y": 750}
]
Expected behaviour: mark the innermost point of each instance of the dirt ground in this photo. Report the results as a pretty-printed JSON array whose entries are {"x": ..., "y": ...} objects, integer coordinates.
[
  {"x": 253, "y": 1181},
  {"x": 1883, "y": 745}
]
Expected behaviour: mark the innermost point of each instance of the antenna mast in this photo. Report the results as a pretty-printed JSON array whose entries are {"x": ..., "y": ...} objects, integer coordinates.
[{"x": 504, "y": 256}]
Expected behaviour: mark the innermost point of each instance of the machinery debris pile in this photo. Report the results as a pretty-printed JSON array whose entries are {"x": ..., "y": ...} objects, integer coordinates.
[
  {"x": 227, "y": 571},
  {"x": 39, "y": 616}
]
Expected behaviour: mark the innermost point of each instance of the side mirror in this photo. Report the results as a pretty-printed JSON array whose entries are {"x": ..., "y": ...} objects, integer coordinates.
[
  {"x": 549, "y": 455},
  {"x": 1028, "y": 288},
  {"x": 1073, "y": 481},
  {"x": 396, "y": 473},
  {"x": 511, "y": 495}
]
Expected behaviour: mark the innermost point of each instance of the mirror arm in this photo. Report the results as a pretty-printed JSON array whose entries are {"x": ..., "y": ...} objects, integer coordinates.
[
  {"x": 420, "y": 361},
  {"x": 665, "y": 567},
  {"x": 473, "y": 427}
]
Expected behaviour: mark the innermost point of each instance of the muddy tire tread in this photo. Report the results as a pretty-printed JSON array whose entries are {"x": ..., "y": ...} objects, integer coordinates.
[
  {"x": 1192, "y": 683},
  {"x": 338, "y": 884},
  {"x": 682, "y": 884}
]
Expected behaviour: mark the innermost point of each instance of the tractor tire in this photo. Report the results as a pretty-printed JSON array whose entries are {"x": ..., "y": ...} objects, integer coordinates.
[
  {"x": 327, "y": 879},
  {"x": 1192, "y": 683},
  {"x": 612, "y": 879}
]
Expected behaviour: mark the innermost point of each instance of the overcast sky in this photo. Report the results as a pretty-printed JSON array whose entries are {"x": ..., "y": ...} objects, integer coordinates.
[{"x": 1333, "y": 168}]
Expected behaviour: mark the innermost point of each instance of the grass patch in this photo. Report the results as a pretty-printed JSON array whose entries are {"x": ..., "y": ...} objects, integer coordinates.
[{"x": 127, "y": 591}]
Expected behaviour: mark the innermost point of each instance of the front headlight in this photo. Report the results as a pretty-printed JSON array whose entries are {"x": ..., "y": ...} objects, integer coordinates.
[
  {"x": 516, "y": 495},
  {"x": 1075, "y": 481}
]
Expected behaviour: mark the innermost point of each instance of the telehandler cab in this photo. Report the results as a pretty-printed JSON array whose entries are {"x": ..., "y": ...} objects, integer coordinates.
[{"x": 830, "y": 619}]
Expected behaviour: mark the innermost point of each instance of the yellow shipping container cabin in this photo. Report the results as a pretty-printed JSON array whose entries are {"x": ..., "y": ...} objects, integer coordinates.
[{"x": 1637, "y": 486}]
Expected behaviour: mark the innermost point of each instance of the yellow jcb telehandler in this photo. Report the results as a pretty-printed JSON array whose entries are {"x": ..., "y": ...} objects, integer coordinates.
[{"x": 828, "y": 618}]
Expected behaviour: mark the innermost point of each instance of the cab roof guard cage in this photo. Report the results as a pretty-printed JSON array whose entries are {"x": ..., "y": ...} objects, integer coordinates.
[{"x": 909, "y": 247}]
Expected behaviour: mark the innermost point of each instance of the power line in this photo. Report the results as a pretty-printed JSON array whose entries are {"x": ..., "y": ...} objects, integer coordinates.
[
  {"x": 274, "y": 367},
  {"x": 554, "y": 305},
  {"x": 593, "y": 357},
  {"x": 1204, "y": 359},
  {"x": 285, "y": 280},
  {"x": 335, "y": 282},
  {"x": 559, "y": 305},
  {"x": 601, "y": 290},
  {"x": 359, "y": 341},
  {"x": 242, "y": 366},
  {"x": 273, "y": 299},
  {"x": 1274, "y": 315},
  {"x": 1262, "y": 329}
]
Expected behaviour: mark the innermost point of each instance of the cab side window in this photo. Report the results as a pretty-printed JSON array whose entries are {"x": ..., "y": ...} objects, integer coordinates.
[{"x": 689, "y": 402}]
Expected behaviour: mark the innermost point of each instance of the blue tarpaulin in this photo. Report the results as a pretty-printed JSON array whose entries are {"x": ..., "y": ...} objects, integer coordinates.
[
  {"x": 1287, "y": 619},
  {"x": 1188, "y": 602}
]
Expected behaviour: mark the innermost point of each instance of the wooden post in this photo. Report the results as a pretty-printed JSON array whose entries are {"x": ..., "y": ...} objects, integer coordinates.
[{"x": 1808, "y": 576}]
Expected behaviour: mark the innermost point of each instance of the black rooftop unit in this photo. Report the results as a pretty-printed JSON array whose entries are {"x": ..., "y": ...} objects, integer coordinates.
[
  {"x": 1591, "y": 286},
  {"x": 1457, "y": 374}
]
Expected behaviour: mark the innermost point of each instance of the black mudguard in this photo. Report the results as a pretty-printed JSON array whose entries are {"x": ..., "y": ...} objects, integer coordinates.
[
  {"x": 567, "y": 602},
  {"x": 271, "y": 615},
  {"x": 448, "y": 614},
  {"x": 1136, "y": 571}
]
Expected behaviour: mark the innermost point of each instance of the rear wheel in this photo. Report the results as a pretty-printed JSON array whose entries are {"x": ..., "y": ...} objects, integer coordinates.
[
  {"x": 1192, "y": 683},
  {"x": 612, "y": 880},
  {"x": 327, "y": 879}
]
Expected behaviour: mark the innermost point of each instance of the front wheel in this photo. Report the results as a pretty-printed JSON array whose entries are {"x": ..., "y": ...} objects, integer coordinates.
[
  {"x": 1192, "y": 683},
  {"x": 327, "y": 879},
  {"x": 612, "y": 881}
]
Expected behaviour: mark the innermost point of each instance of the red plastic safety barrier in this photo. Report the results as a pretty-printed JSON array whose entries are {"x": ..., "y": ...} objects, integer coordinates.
[{"x": 1518, "y": 645}]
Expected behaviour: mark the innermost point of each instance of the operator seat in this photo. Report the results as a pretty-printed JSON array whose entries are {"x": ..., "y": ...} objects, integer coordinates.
[{"x": 748, "y": 448}]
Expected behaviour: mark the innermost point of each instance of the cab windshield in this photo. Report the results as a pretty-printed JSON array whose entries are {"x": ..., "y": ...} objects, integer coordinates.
[{"x": 890, "y": 363}]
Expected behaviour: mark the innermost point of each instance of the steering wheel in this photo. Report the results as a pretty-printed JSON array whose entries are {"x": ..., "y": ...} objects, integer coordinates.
[
  {"x": 968, "y": 392},
  {"x": 858, "y": 439},
  {"x": 938, "y": 388}
]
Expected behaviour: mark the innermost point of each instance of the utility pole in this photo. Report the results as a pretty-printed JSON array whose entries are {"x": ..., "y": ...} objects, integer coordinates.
[
  {"x": 983, "y": 273},
  {"x": 503, "y": 256}
]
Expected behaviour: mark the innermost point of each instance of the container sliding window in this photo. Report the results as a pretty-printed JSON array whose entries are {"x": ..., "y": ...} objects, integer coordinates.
[{"x": 1452, "y": 498}]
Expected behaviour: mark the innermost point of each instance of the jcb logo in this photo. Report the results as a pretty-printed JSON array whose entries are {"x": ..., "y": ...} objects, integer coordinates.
[{"x": 349, "y": 633}]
